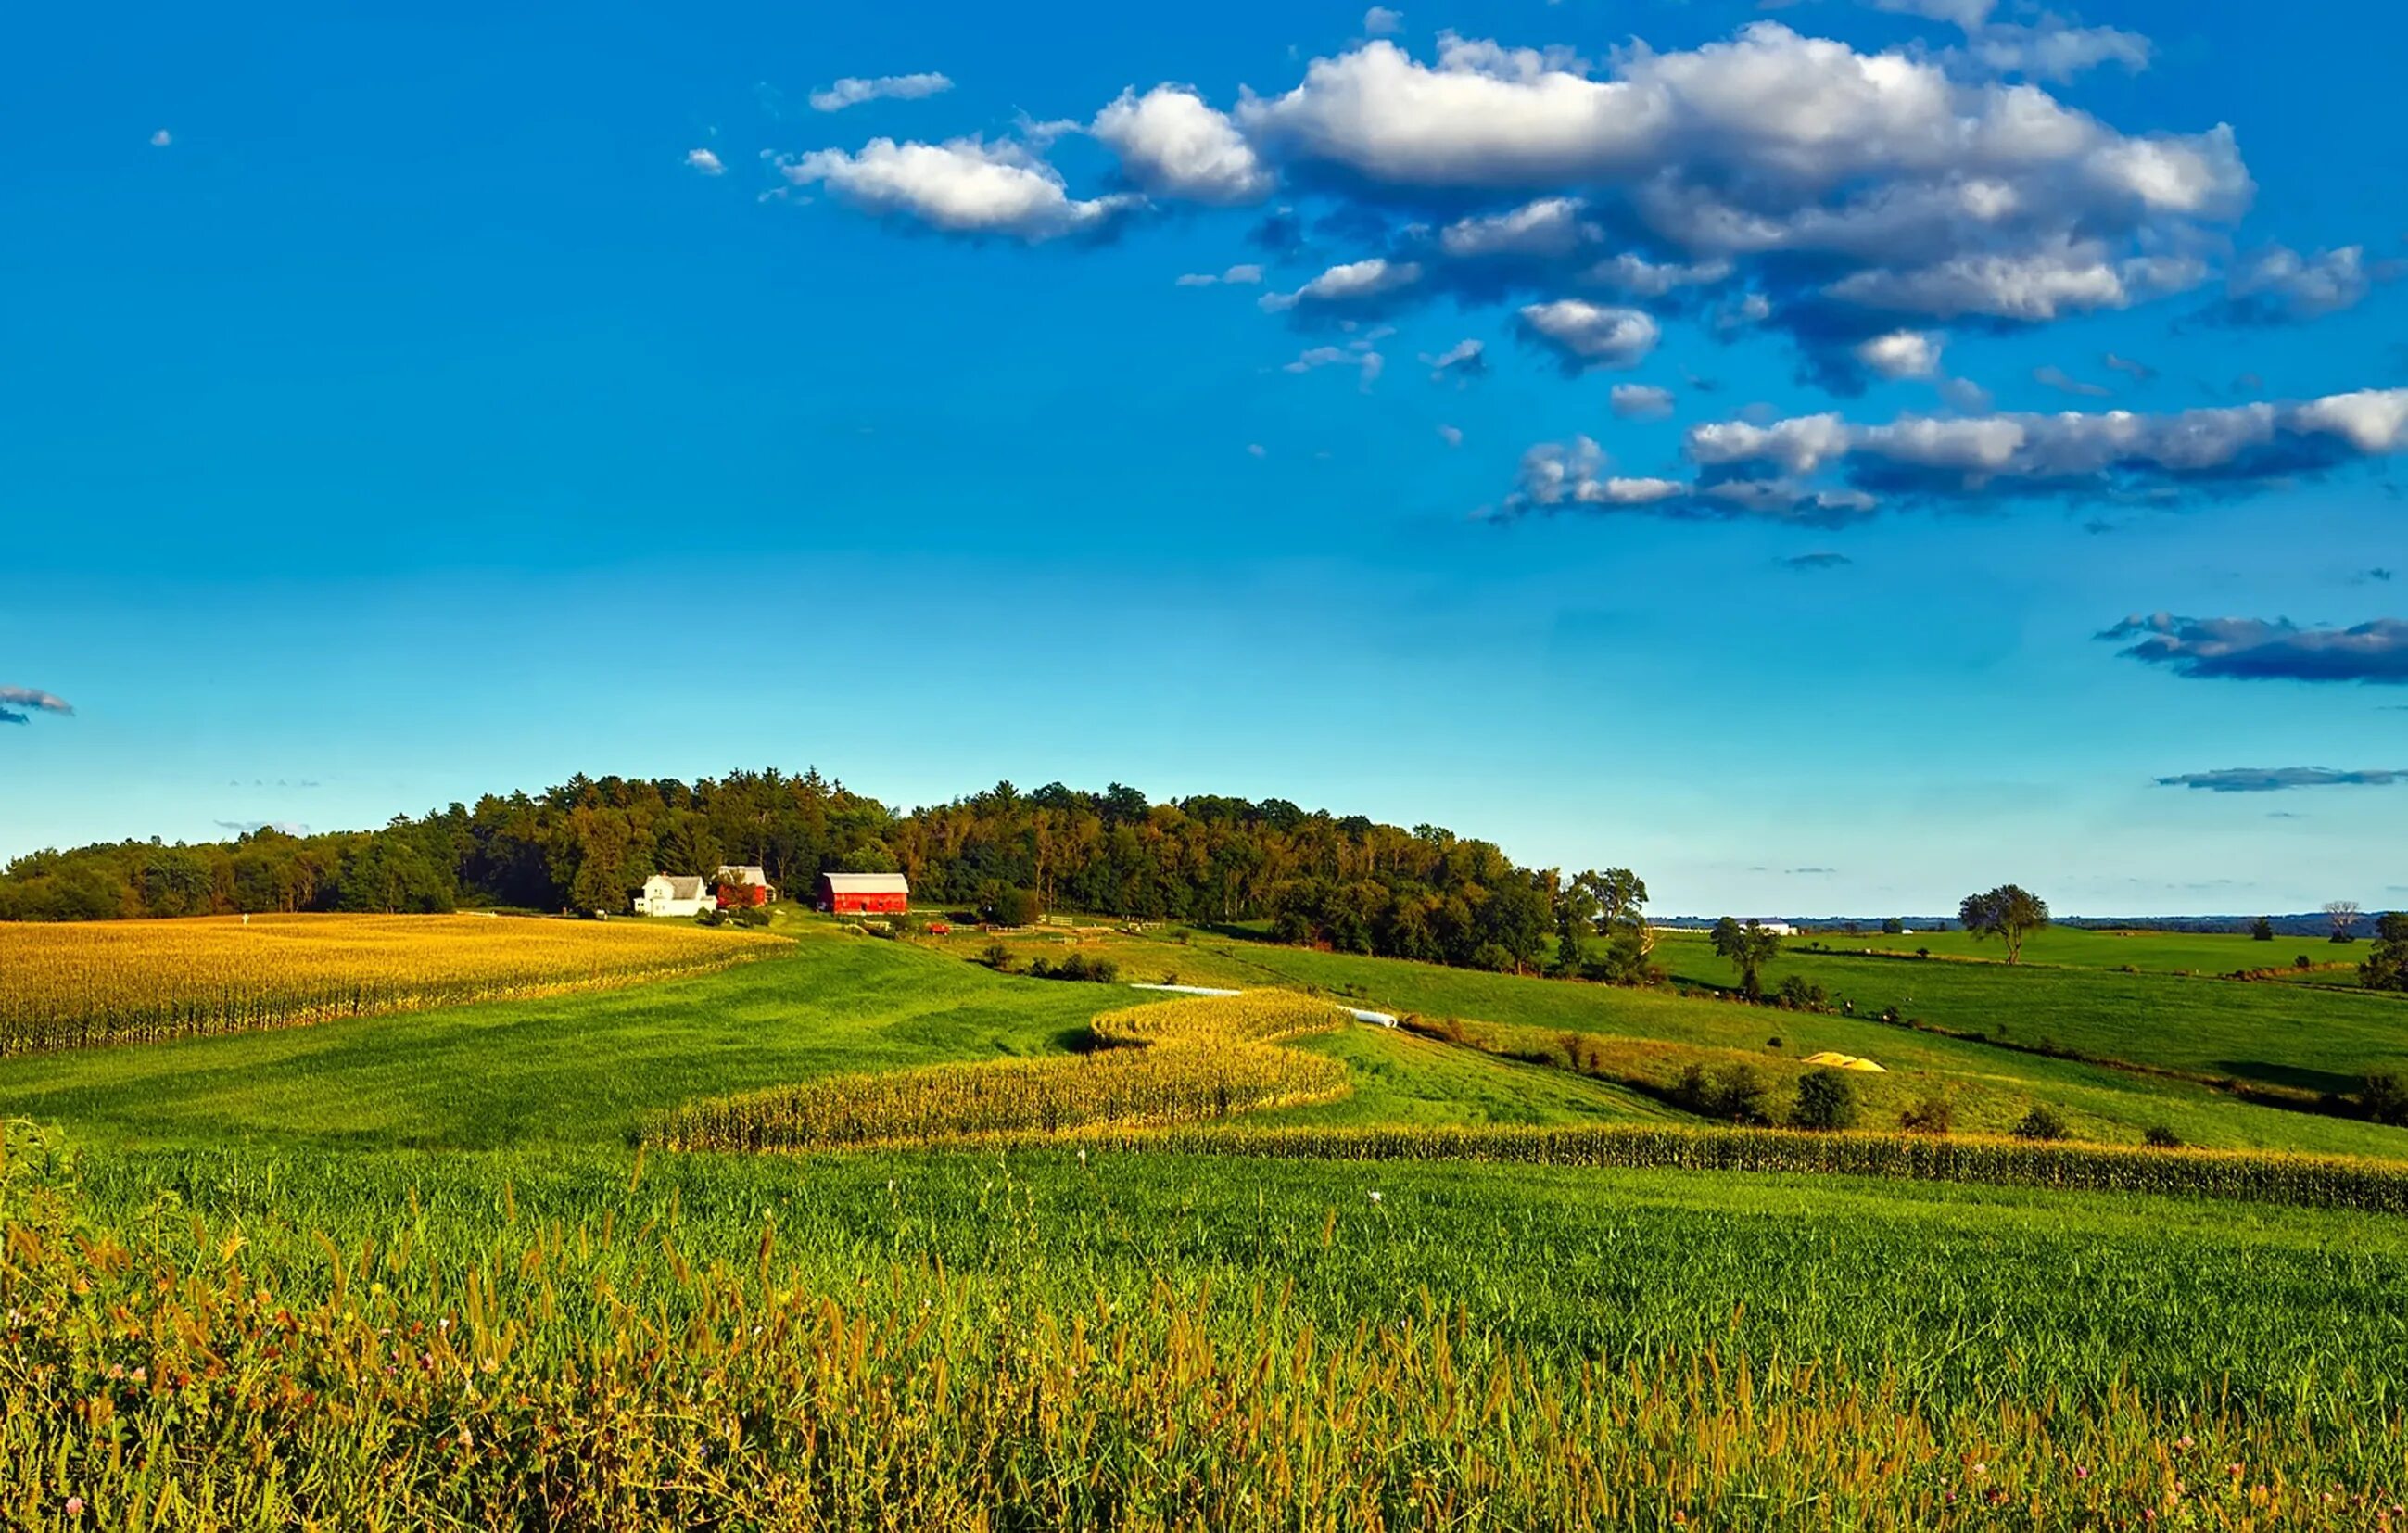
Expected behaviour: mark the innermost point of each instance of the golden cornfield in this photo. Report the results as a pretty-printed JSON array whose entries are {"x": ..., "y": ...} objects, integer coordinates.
[
  {"x": 125, "y": 982},
  {"x": 1157, "y": 1065}
]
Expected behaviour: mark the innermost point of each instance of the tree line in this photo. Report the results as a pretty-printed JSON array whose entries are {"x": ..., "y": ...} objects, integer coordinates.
[{"x": 1345, "y": 882}]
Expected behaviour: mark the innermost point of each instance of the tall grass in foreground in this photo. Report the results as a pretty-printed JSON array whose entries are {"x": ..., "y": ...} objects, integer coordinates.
[
  {"x": 75, "y": 985},
  {"x": 1162, "y": 1064},
  {"x": 172, "y": 1377}
]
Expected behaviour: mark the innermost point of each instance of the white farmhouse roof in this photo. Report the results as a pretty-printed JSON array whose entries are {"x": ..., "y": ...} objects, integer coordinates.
[
  {"x": 867, "y": 884},
  {"x": 683, "y": 888}
]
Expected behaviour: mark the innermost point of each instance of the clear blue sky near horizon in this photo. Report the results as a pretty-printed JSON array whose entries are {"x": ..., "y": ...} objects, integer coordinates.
[{"x": 399, "y": 409}]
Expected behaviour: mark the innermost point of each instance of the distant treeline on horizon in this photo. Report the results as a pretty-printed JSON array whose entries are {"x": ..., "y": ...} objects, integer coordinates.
[
  {"x": 582, "y": 846},
  {"x": 2314, "y": 923}
]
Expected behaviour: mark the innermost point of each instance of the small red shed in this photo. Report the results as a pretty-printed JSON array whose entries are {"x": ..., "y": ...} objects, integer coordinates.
[{"x": 865, "y": 893}]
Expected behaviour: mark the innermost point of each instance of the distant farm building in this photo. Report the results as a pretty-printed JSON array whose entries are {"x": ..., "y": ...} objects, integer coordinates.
[
  {"x": 665, "y": 894},
  {"x": 865, "y": 893},
  {"x": 743, "y": 883}
]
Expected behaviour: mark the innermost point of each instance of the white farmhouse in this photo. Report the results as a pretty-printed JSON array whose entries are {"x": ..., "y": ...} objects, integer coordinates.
[{"x": 667, "y": 894}]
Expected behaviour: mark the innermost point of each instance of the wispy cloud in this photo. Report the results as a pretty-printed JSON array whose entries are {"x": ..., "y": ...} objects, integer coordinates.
[
  {"x": 1464, "y": 358},
  {"x": 2254, "y": 650},
  {"x": 703, "y": 161},
  {"x": 2056, "y": 378},
  {"x": 2281, "y": 778},
  {"x": 853, "y": 91},
  {"x": 1805, "y": 562},
  {"x": 1357, "y": 354},
  {"x": 1237, "y": 276},
  {"x": 1642, "y": 401},
  {"x": 18, "y": 705},
  {"x": 2280, "y": 286}
]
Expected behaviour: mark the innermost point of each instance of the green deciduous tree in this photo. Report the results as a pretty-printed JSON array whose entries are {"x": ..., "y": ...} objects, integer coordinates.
[
  {"x": 1748, "y": 948},
  {"x": 2010, "y": 912},
  {"x": 1827, "y": 1099},
  {"x": 2387, "y": 964}
]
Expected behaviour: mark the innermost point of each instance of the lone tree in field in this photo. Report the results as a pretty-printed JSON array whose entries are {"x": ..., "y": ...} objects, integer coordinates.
[
  {"x": 2263, "y": 931},
  {"x": 2009, "y": 911},
  {"x": 1750, "y": 948},
  {"x": 2344, "y": 915}
]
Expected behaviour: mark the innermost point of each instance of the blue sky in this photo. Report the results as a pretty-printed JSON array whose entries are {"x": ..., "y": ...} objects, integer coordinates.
[{"x": 400, "y": 411}]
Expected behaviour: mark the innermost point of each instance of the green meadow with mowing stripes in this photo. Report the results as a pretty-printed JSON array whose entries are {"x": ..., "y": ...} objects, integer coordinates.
[{"x": 1484, "y": 1272}]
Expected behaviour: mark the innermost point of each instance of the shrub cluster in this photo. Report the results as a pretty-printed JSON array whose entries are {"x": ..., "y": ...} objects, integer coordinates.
[{"x": 1078, "y": 966}]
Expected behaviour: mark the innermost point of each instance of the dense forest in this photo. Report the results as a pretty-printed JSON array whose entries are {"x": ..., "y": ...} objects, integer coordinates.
[{"x": 1343, "y": 881}]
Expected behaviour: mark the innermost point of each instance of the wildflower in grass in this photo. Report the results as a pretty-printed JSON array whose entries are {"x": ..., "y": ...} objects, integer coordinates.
[
  {"x": 75, "y": 1506},
  {"x": 1375, "y": 1197}
]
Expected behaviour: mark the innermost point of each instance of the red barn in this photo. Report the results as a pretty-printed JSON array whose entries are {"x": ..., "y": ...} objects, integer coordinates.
[
  {"x": 743, "y": 884},
  {"x": 865, "y": 893}
]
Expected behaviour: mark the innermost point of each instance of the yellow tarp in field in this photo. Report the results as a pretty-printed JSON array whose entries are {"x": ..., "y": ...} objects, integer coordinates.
[{"x": 1845, "y": 1062}]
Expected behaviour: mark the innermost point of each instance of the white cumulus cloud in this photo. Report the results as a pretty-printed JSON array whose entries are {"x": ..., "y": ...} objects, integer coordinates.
[
  {"x": 1902, "y": 353},
  {"x": 1586, "y": 335},
  {"x": 1170, "y": 143},
  {"x": 965, "y": 186}
]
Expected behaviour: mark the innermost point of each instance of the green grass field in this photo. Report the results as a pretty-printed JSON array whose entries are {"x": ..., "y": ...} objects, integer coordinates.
[
  {"x": 2315, "y": 1038},
  {"x": 464, "y": 1176},
  {"x": 2288, "y": 1036}
]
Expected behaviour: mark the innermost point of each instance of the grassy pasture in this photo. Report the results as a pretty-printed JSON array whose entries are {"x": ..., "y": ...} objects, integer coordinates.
[
  {"x": 2310, "y": 1037},
  {"x": 2288, "y": 1036},
  {"x": 580, "y": 1069},
  {"x": 2084, "y": 947},
  {"x": 593, "y": 1068}
]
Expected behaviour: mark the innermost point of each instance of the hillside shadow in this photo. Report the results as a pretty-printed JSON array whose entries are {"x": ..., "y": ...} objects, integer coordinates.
[
  {"x": 1238, "y": 933},
  {"x": 2297, "y": 1076}
]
